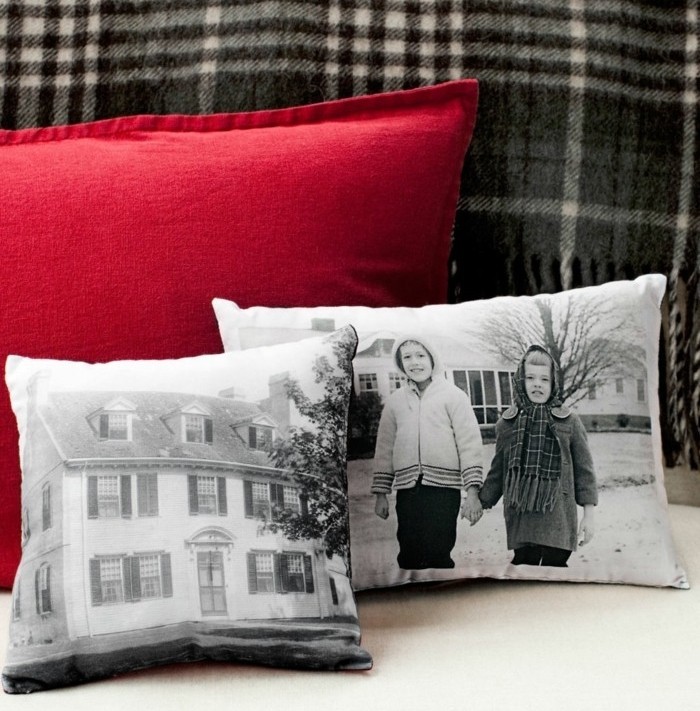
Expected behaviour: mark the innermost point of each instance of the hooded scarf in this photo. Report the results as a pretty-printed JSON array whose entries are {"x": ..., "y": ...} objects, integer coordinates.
[{"x": 534, "y": 466}]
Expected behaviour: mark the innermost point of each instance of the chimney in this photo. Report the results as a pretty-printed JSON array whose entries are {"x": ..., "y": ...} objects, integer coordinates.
[
  {"x": 233, "y": 393},
  {"x": 37, "y": 390},
  {"x": 279, "y": 404},
  {"x": 326, "y": 325}
]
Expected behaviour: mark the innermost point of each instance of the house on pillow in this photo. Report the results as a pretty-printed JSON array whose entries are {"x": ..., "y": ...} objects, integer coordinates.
[{"x": 175, "y": 491}]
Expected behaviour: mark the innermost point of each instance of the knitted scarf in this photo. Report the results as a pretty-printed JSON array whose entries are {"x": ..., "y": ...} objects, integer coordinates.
[{"x": 534, "y": 462}]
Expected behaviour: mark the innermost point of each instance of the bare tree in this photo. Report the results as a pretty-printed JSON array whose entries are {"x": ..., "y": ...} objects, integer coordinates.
[{"x": 589, "y": 339}]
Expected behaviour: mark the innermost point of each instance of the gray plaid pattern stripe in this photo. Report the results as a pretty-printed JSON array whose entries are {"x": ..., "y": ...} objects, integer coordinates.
[{"x": 583, "y": 166}]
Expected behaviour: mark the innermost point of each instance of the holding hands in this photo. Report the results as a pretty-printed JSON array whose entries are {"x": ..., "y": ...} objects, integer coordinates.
[{"x": 471, "y": 506}]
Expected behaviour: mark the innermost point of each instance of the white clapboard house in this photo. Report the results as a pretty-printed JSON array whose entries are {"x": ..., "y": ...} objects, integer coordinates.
[{"x": 147, "y": 508}]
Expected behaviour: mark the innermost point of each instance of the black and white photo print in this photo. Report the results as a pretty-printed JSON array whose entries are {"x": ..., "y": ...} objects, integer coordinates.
[
  {"x": 512, "y": 438},
  {"x": 183, "y": 510}
]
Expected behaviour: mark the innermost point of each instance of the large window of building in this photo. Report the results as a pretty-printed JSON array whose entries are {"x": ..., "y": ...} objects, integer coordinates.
[
  {"x": 109, "y": 496},
  {"x": 490, "y": 392},
  {"x": 207, "y": 494}
]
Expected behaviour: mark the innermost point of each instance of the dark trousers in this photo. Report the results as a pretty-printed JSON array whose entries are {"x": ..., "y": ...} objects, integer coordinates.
[
  {"x": 541, "y": 555},
  {"x": 427, "y": 529}
]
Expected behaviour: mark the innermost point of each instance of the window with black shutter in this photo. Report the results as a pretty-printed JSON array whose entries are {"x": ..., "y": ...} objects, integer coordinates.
[
  {"x": 279, "y": 572},
  {"x": 207, "y": 495},
  {"x": 109, "y": 496},
  {"x": 267, "y": 500},
  {"x": 130, "y": 578},
  {"x": 115, "y": 426}
]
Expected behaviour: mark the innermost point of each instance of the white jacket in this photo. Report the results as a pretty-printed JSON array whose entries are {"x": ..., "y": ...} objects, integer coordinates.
[{"x": 435, "y": 434}]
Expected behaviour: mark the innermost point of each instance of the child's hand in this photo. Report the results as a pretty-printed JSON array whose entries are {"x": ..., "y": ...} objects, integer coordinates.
[
  {"x": 587, "y": 526},
  {"x": 471, "y": 506},
  {"x": 381, "y": 506}
]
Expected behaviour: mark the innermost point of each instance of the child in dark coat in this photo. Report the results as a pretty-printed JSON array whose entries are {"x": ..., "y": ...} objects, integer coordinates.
[{"x": 542, "y": 467}]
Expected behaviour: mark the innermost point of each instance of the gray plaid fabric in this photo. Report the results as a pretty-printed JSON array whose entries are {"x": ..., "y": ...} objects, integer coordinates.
[{"x": 582, "y": 168}]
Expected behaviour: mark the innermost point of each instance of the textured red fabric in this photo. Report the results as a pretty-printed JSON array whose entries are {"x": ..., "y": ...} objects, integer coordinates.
[{"x": 117, "y": 234}]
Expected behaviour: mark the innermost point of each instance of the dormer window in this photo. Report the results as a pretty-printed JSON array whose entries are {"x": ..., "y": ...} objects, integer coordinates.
[
  {"x": 257, "y": 432},
  {"x": 259, "y": 438},
  {"x": 115, "y": 426},
  {"x": 198, "y": 428},
  {"x": 113, "y": 423}
]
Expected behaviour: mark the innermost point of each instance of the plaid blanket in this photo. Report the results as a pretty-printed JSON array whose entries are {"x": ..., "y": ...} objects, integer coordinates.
[{"x": 583, "y": 165}]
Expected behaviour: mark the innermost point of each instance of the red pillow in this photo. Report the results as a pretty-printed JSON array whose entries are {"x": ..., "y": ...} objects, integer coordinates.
[{"x": 117, "y": 234}]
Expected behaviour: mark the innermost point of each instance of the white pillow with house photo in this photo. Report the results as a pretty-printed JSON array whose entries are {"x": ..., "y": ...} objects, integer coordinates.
[
  {"x": 516, "y": 437},
  {"x": 170, "y": 515}
]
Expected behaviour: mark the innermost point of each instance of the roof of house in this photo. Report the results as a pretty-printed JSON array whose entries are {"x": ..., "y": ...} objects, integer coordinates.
[{"x": 70, "y": 417}]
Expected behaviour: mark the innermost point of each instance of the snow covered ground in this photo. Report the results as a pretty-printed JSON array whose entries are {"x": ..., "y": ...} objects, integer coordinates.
[{"x": 631, "y": 543}]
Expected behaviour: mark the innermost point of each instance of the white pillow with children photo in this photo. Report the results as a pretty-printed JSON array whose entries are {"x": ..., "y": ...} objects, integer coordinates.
[{"x": 516, "y": 437}]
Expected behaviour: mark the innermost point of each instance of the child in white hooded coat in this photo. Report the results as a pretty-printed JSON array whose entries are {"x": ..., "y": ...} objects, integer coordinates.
[{"x": 429, "y": 450}]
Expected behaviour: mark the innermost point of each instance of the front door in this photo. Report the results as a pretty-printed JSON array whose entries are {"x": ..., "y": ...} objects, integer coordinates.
[{"x": 212, "y": 589}]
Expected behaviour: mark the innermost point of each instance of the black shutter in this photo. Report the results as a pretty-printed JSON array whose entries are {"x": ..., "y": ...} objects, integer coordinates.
[
  {"x": 252, "y": 437},
  {"x": 208, "y": 430},
  {"x": 126, "y": 568},
  {"x": 194, "y": 499},
  {"x": 166, "y": 575},
  {"x": 95, "y": 581},
  {"x": 104, "y": 426},
  {"x": 284, "y": 572},
  {"x": 308, "y": 574},
  {"x": 248, "y": 497},
  {"x": 142, "y": 494},
  {"x": 252, "y": 572},
  {"x": 135, "y": 578},
  {"x": 126, "y": 495},
  {"x": 153, "y": 494},
  {"x": 92, "y": 497},
  {"x": 277, "y": 564},
  {"x": 304, "y": 504},
  {"x": 47, "y": 591},
  {"x": 221, "y": 495},
  {"x": 46, "y": 508},
  {"x": 334, "y": 590},
  {"x": 36, "y": 591}
]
